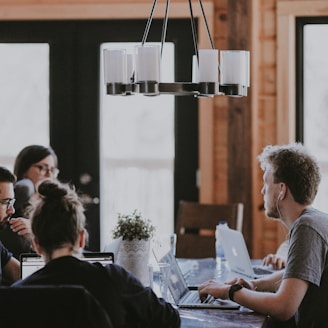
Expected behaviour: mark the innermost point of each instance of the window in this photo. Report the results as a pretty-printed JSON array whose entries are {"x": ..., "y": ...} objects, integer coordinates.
[
  {"x": 137, "y": 153},
  {"x": 313, "y": 97},
  {"x": 24, "y": 98}
]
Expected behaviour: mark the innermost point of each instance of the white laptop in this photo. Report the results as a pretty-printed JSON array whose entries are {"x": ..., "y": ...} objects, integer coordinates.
[
  {"x": 113, "y": 246},
  {"x": 184, "y": 297},
  {"x": 31, "y": 262},
  {"x": 237, "y": 255}
]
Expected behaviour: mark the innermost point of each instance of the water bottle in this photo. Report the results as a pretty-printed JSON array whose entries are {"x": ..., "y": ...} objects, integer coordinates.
[{"x": 218, "y": 246}]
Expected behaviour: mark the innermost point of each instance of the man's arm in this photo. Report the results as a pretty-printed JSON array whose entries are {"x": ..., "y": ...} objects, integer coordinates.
[
  {"x": 281, "y": 304},
  {"x": 11, "y": 271},
  {"x": 269, "y": 283}
]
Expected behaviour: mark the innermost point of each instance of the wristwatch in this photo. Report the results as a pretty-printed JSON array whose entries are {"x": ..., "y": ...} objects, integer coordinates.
[{"x": 233, "y": 289}]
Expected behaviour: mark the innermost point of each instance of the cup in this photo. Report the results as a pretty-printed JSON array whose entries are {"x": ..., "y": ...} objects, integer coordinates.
[
  {"x": 151, "y": 273},
  {"x": 159, "y": 278},
  {"x": 163, "y": 277}
]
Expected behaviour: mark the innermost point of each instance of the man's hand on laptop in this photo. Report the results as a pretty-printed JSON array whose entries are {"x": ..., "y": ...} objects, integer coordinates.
[
  {"x": 215, "y": 288},
  {"x": 278, "y": 262}
]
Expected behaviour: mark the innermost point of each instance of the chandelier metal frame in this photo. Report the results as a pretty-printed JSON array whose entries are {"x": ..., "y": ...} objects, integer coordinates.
[{"x": 198, "y": 89}]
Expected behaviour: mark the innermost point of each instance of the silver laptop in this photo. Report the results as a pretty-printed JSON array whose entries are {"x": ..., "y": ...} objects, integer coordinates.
[
  {"x": 31, "y": 262},
  {"x": 184, "y": 297},
  {"x": 237, "y": 255}
]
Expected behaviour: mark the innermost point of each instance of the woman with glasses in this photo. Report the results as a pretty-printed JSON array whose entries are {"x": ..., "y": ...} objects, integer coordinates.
[{"x": 33, "y": 164}]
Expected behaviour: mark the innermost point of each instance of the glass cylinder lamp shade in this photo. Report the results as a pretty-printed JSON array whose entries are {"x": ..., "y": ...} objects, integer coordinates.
[
  {"x": 115, "y": 66},
  {"x": 147, "y": 63},
  {"x": 234, "y": 67},
  {"x": 208, "y": 68},
  {"x": 129, "y": 68},
  {"x": 195, "y": 78}
]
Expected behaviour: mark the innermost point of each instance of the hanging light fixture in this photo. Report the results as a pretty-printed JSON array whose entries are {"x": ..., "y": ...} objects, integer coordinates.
[{"x": 127, "y": 74}]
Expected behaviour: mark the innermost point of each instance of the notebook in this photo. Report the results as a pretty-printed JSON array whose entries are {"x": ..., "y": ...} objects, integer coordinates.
[
  {"x": 31, "y": 262},
  {"x": 237, "y": 255},
  {"x": 184, "y": 297}
]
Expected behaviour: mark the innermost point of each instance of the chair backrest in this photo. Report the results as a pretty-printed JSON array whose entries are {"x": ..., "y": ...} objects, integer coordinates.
[
  {"x": 51, "y": 306},
  {"x": 196, "y": 224}
]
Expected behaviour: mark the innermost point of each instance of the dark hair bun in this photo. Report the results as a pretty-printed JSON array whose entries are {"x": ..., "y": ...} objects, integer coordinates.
[{"x": 52, "y": 189}]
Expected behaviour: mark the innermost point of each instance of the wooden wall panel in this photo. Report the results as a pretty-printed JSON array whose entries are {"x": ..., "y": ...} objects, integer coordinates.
[{"x": 263, "y": 30}]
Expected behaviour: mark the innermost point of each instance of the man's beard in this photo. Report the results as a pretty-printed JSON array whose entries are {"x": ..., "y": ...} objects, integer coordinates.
[{"x": 272, "y": 213}]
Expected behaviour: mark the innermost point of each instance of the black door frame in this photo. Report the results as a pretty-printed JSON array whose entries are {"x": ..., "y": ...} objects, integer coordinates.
[{"x": 299, "y": 81}]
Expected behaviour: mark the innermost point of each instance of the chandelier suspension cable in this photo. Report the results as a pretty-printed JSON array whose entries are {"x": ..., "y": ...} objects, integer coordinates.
[
  {"x": 193, "y": 30},
  {"x": 164, "y": 27},
  {"x": 205, "y": 20},
  {"x": 150, "y": 18}
]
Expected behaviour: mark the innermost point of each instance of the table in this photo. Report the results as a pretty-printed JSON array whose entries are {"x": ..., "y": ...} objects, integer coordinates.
[{"x": 197, "y": 271}]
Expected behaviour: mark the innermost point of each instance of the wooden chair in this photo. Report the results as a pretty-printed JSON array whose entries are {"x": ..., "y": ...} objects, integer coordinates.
[{"x": 196, "y": 224}]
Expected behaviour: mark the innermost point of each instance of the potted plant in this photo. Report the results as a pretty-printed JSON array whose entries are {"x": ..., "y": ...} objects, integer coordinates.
[
  {"x": 136, "y": 233},
  {"x": 133, "y": 226}
]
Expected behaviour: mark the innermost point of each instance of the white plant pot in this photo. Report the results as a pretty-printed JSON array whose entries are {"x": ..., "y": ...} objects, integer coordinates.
[{"x": 134, "y": 256}]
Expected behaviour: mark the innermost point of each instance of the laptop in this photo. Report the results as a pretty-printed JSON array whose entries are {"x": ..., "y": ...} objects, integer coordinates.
[
  {"x": 113, "y": 246},
  {"x": 184, "y": 297},
  {"x": 31, "y": 262},
  {"x": 237, "y": 255}
]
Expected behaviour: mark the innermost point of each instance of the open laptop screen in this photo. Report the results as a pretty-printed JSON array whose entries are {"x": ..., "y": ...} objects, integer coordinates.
[{"x": 31, "y": 262}]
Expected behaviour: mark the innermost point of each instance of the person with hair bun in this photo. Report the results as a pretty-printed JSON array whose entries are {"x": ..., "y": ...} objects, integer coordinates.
[
  {"x": 33, "y": 164},
  {"x": 58, "y": 226}
]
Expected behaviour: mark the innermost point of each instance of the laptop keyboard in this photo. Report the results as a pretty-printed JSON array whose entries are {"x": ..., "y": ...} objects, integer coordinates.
[
  {"x": 193, "y": 298},
  {"x": 261, "y": 271}
]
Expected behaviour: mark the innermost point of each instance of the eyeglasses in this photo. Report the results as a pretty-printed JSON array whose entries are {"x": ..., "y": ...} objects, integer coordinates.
[
  {"x": 45, "y": 169},
  {"x": 8, "y": 201}
]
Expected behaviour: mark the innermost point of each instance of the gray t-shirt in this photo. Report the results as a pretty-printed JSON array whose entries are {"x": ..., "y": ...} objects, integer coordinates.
[{"x": 308, "y": 260}]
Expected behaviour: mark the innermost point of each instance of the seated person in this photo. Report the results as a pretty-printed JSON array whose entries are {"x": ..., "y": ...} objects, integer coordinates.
[
  {"x": 58, "y": 222},
  {"x": 278, "y": 260},
  {"x": 33, "y": 164},
  {"x": 9, "y": 266},
  {"x": 297, "y": 295}
]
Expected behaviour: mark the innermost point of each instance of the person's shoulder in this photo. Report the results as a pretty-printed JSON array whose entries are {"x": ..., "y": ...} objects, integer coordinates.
[
  {"x": 119, "y": 273},
  {"x": 314, "y": 219},
  {"x": 5, "y": 252},
  {"x": 311, "y": 215},
  {"x": 112, "y": 268}
]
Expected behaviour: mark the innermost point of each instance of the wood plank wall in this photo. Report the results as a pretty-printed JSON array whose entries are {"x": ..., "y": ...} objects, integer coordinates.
[{"x": 240, "y": 127}]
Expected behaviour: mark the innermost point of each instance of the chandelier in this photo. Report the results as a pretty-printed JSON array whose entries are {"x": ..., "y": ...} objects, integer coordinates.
[{"x": 139, "y": 73}]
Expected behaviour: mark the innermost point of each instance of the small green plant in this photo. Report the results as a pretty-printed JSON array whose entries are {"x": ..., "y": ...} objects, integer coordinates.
[{"x": 133, "y": 226}]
